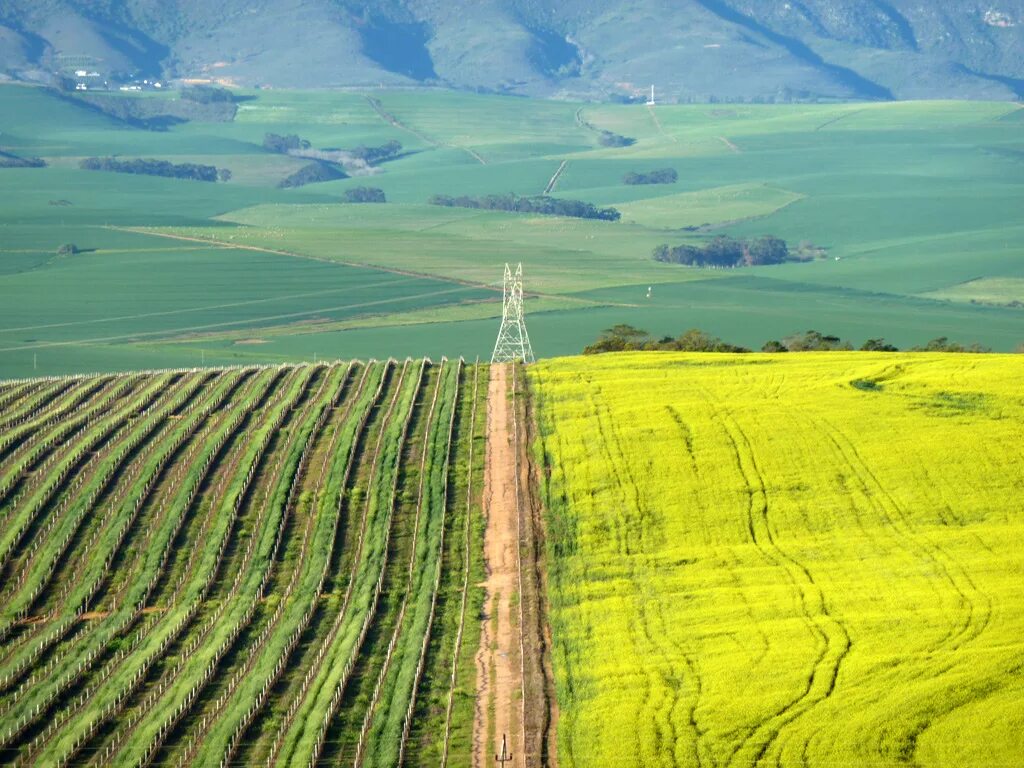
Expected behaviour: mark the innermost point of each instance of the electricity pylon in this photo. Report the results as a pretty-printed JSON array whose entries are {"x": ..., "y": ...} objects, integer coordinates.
[{"x": 513, "y": 342}]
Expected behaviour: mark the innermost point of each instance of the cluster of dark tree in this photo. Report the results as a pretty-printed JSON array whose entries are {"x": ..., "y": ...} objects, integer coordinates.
[
  {"x": 364, "y": 195},
  {"x": 942, "y": 344},
  {"x": 373, "y": 155},
  {"x": 13, "y": 161},
  {"x": 328, "y": 164},
  {"x": 609, "y": 139},
  {"x": 67, "y": 249},
  {"x": 660, "y": 176},
  {"x": 273, "y": 142},
  {"x": 814, "y": 341},
  {"x": 149, "y": 167},
  {"x": 726, "y": 252},
  {"x": 549, "y": 206},
  {"x": 606, "y": 138},
  {"x": 624, "y": 338},
  {"x": 312, "y": 173},
  {"x": 1015, "y": 303}
]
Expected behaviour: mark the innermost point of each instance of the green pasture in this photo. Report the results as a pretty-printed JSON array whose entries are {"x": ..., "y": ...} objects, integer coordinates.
[
  {"x": 917, "y": 205},
  {"x": 992, "y": 290},
  {"x": 133, "y": 290},
  {"x": 708, "y": 206}
]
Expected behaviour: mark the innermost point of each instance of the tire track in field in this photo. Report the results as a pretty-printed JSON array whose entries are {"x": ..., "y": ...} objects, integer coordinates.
[
  {"x": 691, "y": 679},
  {"x": 975, "y": 605},
  {"x": 593, "y": 390},
  {"x": 392, "y": 120},
  {"x": 554, "y": 178},
  {"x": 830, "y": 634},
  {"x": 208, "y": 307},
  {"x": 836, "y": 119},
  {"x": 214, "y": 243},
  {"x": 652, "y": 620},
  {"x": 657, "y": 124},
  {"x": 180, "y": 334},
  {"x": 732, "y": 147}
]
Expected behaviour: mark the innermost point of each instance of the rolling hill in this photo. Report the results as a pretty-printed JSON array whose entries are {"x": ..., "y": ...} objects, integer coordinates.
[{"x": 695, "y": 50}]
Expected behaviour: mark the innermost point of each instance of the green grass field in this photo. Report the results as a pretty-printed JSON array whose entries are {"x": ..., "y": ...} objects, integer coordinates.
[
  {"x": 792, "y": 560},
  {"x": 917, "y": 204}
]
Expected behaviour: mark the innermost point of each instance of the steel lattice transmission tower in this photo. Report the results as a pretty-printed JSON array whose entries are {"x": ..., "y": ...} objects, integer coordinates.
[{"x": 513, "y": 341}]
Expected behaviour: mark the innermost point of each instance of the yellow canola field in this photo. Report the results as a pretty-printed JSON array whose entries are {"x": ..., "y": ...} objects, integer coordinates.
[{"x": 811, "y": 559}]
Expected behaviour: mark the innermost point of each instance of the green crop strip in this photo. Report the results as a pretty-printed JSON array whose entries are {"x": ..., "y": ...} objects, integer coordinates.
[{"x": 196, "y": 560}]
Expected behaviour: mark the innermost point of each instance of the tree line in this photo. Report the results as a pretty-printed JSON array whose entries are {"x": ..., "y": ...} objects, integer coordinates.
[
  {"x": 724, "y": 251},
  {"x": 626, "y": 338},
  {"x": 364, "y": 195},
  {"x": 312, "y": 173},
  {"x": 151, "y": 167},
  {"x": 7, "y": 160},
  {"x": 548, "y": 206},
  {"x": 199, "y": 103},
  {"x": 329, "y": 164},
  {"x": 374, "y": 155},
  {"x": 275, "y": 142},
  {"x": 293, "y": 144},
  {"x": 660, "y": 176},
  {"x": 611, "y": 139}
]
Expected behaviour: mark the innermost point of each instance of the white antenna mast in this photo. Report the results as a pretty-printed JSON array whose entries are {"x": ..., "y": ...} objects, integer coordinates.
[
  {"x": 650, "y": 102},
  {"x": 513, "y": 342}
]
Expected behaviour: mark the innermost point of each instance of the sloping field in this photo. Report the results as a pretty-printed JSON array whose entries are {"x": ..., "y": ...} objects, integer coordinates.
[
  {"x": 785, "y": 560},
  {"x": 914, "y": 207},
  {"x": 244, "y": 566}
]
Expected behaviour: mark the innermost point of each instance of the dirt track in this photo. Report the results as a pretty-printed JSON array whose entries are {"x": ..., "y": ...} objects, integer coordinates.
[{"x": 499, "y": 660}]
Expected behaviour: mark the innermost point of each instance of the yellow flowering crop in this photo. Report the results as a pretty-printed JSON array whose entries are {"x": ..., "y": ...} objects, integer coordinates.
[{"x": 797, "y": 559}]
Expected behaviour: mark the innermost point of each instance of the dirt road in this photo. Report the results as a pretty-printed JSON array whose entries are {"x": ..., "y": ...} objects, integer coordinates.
[{"x": 499, "y": 707}]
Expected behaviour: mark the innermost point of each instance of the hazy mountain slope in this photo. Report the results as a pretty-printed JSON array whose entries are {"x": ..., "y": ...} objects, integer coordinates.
[{"x": 692, "y": 49}]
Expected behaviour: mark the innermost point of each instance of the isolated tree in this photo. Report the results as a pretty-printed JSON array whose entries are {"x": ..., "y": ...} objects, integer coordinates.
[
  {"x": 67, "y": 249},
  {"x": 224, "y": 174}
]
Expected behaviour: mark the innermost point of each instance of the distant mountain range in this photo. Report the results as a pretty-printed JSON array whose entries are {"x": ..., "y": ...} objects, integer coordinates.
[{"x": 690, "y": 49}]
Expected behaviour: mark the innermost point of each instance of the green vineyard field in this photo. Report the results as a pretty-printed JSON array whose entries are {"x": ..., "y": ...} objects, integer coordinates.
[{"x": 244, "y": 566}]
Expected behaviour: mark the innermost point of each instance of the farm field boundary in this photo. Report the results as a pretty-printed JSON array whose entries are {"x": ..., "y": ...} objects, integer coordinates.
[{"x": 805, "y": 559}]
